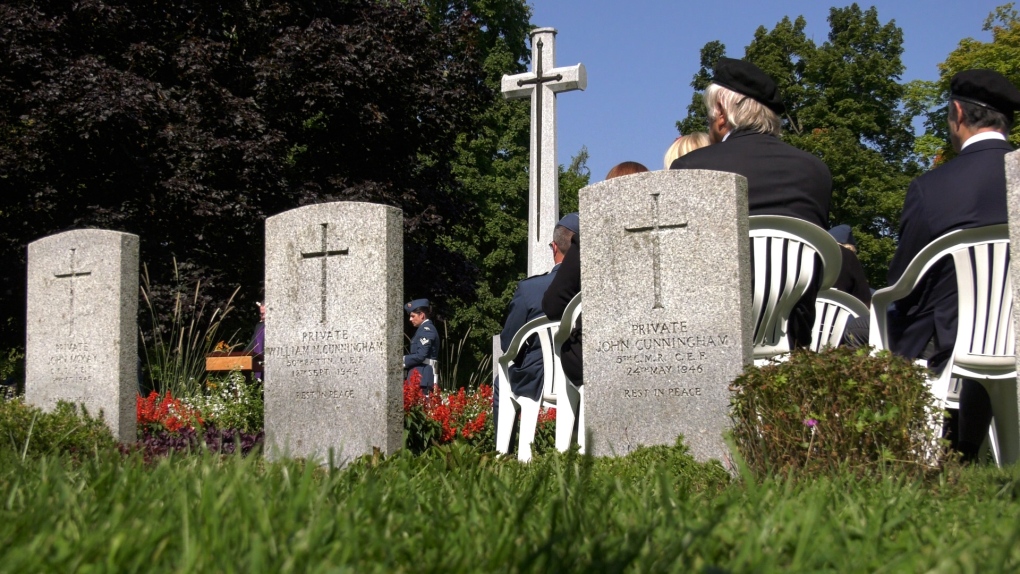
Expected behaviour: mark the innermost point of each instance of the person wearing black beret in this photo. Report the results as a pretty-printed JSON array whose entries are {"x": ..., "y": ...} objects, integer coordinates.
[
  {"x": 424, "y": 355},
  {"x": 744, "y": 108},
  {"x": 966, "y": 192}
]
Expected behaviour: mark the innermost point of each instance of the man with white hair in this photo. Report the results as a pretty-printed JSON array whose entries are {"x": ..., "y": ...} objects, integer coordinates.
[{"x": 744, "y": 106}]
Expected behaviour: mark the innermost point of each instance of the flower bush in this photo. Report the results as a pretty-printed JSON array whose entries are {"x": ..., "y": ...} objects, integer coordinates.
[
  {"x": 821, "y": 413},
  {"x": 460, "y": 416},
  {"x": 231, "y": 401},
  {"x": 158, "y": 412}
]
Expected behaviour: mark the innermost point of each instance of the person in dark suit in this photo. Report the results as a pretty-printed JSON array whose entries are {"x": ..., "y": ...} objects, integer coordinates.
[
  {"x": 424, "y": 355},
  {"x": 744, "y": 105},
  {"x": 527, "y": 372},
  {"x": 852, "y": 278},
  {"x": 968, "y": 191}
]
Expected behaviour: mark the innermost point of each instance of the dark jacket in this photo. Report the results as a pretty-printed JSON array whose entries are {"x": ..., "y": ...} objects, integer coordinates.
[
  {"x": 561, "y": 290},
  {"x": 852, "y": 278},
  {"x": 968, "y": 191},
  {"x": 781, "y": 180},
  {"x": 527, "y": 371},
  {"x": 424, "y": 348}
]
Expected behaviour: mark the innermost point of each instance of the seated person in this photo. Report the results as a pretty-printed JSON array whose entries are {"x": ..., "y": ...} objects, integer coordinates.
[
  {"x": 685, "y": 144},
  {"x": 744, "y": 111},
  {"x": 526, "y": 374},
  {"x": 851, "y": 278}
]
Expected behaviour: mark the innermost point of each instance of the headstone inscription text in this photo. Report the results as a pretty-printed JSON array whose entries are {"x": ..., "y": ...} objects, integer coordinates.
[
  {"x": 665, "y": 280},
  {"x": 82, "y": 312},
  {"x": 542, "y": 84},
  {"x": 333, "y": 377}
]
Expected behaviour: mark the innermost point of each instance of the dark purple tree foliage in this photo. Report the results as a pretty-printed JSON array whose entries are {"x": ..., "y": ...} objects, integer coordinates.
[{"x": 188, "y": 122}]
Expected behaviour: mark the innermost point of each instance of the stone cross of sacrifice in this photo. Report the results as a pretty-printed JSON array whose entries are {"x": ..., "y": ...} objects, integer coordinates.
[
  {"x": 542, "y": 84},
  {"x": 322, "y": 254}
]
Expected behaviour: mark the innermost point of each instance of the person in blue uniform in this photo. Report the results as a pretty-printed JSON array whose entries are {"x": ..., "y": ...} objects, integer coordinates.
[
  {"x": 744, "y": 107},
  {"x": 424, "y": 355},
  {"x": 527, "y": 372},
  {"x": 966, "y": 192}
]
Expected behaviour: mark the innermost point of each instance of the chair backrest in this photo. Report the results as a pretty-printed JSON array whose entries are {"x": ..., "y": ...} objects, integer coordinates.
[
  {"x": 571, "y": 313},
  {"x": 985, "y": 344},
  {"x": 784, "y": 250},
  {"x": 833, "y": 310},
  {"x": 543, "y": 328}
]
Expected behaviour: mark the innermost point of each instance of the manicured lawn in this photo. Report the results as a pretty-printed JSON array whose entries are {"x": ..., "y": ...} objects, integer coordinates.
[{"x": 457, "y": 510}]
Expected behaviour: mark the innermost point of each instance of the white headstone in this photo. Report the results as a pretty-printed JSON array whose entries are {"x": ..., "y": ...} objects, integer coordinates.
[
  {"x": 82, "y": 325},
  {"x": 542, "y": 84},
  {"x": 666, "y": 289},
  {"x": 334, "y": 331}
]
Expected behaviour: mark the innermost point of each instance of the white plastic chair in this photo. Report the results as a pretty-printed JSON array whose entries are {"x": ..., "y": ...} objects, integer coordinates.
[
  {"x": 544, "y": 329},
  {"x": 573, "y": 407},
  {"x": 985, "y": 340},
  {"x": 784, "y": 250},
  {"x": 833, "y": 310}
]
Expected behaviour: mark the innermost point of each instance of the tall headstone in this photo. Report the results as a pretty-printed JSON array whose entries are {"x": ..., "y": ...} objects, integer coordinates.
[
  {"x": 334, "y": 331},
  {"x": 82, "y": 325},
  {"x": 1009, "y": 443},
  {"x": 542, "y": 84},
  {"x": 666, "y": 292}
]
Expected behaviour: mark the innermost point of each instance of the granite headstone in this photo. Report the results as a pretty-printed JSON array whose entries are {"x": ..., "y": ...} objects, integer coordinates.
[
  {"x": 82, "y": 325},
  {"x": 1010, "y": 443},
  {"x": 666, "y": 286},
  {"x": 334, "y": 331}
]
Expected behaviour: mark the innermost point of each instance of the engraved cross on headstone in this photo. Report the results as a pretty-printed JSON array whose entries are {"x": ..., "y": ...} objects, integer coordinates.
[
  {"x": 656, "y": 229},
  {"x": 542, "y": 84},
  {"x": 70, "y": 275},
  {"x": 323, "y": 253}
]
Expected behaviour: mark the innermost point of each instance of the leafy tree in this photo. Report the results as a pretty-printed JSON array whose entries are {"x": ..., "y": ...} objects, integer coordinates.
[
  {"x": 845, "y": 104},
  {"x": 930, "y": 98},
  {"x": 189, "y": 122},
  {"x": 697, "y": 118}
]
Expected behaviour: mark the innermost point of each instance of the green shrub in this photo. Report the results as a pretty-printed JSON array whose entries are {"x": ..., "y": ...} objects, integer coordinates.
[
  {"x": 818, "y": 412},
  {"x": 29, "y": 431},
  {"x": 12, "y": 372}
]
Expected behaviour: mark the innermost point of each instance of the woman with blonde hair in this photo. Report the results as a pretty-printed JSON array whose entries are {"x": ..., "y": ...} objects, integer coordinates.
[{"x": 684, "y": 145}]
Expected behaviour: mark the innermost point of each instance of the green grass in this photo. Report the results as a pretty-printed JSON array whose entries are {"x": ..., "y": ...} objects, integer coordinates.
[{"x": 456, "y": 510}]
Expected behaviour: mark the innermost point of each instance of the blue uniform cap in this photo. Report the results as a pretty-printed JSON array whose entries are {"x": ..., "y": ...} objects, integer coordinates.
[
  {"x": 571, "y": 222},
  {"x": 843, "y": 234},
  {"x": 415, "y": 305}
]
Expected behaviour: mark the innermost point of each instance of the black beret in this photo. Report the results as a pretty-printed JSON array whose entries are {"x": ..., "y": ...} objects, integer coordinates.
[
  {"x": 986, "y": 88},
  {"x": 747, "y": 79}
]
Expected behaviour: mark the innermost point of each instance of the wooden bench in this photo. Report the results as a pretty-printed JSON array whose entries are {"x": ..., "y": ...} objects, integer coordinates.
[{"x": 244, "y": 361}]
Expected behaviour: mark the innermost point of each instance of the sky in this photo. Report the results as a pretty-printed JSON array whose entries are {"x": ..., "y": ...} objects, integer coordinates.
[{"x": 641, "y": 56}]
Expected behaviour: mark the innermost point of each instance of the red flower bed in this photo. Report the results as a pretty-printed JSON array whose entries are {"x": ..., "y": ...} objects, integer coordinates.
[
  {"x": 157, "y": 412},
  {"x": 441, "y": 419}
]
